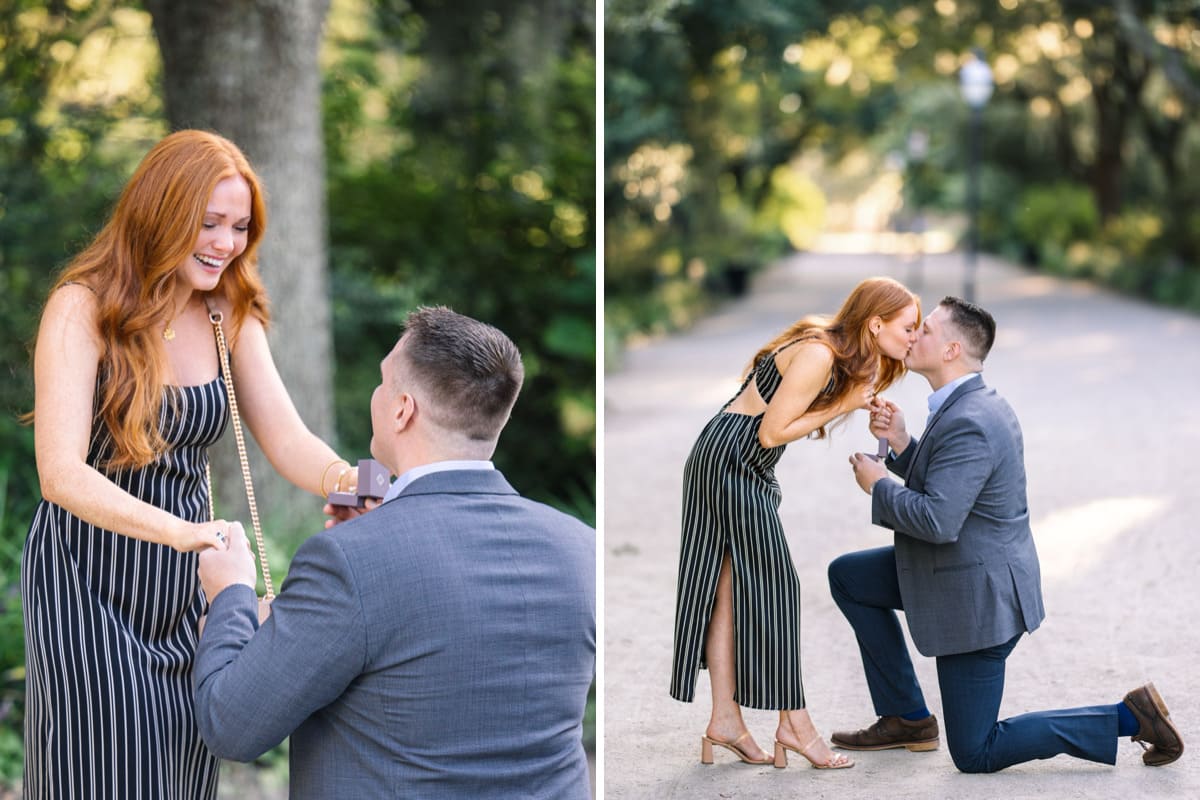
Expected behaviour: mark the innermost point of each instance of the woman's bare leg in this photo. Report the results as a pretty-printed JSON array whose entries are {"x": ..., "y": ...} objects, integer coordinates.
[{"x": 726, "y": 723}]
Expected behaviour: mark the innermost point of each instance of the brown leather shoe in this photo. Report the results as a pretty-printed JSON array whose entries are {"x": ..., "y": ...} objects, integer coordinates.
[
  {"x": 891, "y": 732},
  {"x": 1155, "y": 727}
]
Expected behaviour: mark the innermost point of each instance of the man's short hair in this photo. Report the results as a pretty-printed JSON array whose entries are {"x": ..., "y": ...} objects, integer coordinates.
[
  {"x": 976, "y": 325},
  {"x": 469, "y": 372}
]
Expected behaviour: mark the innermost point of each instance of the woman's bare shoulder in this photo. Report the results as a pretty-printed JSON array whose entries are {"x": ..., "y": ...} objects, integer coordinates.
[
  {"x": 71, "y": 302},
  {"x": 811, "y": 353}
]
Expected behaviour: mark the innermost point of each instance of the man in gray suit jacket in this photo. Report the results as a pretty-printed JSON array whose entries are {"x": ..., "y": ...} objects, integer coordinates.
[
  {"x": 965, "y": 572},
  {"x": 439, "y": 645}
]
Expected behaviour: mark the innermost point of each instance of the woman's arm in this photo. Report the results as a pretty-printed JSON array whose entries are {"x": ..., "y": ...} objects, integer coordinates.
[
  {"x": 805, "y": 374},
  {"x": 65, "y": 368},
  {"x": 296, "y": 452}
]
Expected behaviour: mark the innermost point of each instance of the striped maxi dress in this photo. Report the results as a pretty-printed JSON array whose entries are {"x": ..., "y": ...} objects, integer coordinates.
[
  {"x": 110, "y": 630},
  {"x": 731, "y": 504}
]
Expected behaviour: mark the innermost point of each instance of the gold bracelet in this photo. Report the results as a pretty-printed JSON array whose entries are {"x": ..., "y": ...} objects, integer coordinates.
[{"x": 325, "y": 473}]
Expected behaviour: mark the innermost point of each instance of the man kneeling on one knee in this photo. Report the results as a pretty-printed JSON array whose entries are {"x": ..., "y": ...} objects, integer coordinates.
[{"x": 965, "y": 572}]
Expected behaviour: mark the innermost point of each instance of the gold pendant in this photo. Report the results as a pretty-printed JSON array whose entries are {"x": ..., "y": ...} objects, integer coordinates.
[{"x": 168, "y": 333}]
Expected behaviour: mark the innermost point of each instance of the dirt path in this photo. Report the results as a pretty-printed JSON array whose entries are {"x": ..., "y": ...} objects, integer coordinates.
[{"x": 1106, "y": 390}]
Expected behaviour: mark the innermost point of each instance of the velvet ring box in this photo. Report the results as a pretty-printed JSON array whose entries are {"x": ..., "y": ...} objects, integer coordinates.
[{"x": 372, "y": 482}]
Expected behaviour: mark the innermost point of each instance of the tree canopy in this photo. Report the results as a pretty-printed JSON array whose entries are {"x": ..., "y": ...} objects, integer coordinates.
[{"x": 732, "y": 129}]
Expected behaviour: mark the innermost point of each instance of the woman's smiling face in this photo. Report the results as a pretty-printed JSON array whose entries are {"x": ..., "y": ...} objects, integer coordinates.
[{"x": 223, "y": 234}]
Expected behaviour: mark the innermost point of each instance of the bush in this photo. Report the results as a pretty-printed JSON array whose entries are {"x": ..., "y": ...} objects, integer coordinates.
[
  {"x": 1136, "y": 234},
  {"x": 1049, "y": 219}
]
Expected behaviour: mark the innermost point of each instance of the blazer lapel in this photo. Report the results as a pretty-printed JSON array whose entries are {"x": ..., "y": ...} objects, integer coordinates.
[{"x": 968, "y": 386}]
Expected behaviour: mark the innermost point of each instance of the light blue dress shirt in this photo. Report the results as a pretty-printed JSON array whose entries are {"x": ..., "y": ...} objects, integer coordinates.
[
  {"x": 401, "y": 483},
  {"x": 938, "y": 398}
]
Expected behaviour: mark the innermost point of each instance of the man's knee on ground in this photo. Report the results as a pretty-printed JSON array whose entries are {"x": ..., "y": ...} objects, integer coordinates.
[{"x": 970, "y": 760}]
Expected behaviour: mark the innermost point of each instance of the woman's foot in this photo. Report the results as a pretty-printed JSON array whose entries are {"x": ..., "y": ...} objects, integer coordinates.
[
  {"x": 797, "y": 733},
  {"x": 813, "y": 752},
  {"x": 741, "y": 744}
]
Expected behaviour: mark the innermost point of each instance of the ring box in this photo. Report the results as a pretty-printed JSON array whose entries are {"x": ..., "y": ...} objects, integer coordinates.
[
  {"x": 372, "y": 482},
  {"x": 882, "y": 453}
]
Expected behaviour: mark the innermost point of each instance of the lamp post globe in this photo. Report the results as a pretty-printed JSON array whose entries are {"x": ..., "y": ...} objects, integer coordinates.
[{"x": 975, "y": 80}]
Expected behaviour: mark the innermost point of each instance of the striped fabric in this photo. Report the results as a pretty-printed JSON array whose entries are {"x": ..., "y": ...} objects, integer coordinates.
[
  {"x": 110, "y": 631},
  {"x": 731, "y": 503}
]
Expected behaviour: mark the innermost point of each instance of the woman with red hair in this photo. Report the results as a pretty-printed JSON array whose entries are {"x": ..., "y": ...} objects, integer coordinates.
[
  {"x": 738, "y": 605},
  {"x": 129, "y": 395}
]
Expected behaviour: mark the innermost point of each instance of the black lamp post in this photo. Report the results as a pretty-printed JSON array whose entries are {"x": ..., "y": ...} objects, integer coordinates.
[
  {"x": 975, "y": 79},
  {"x": 918, "y": 148}
]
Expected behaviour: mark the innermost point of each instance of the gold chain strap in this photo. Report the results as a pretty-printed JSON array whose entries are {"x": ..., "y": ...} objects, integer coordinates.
[{"x": 216, "y": 317}]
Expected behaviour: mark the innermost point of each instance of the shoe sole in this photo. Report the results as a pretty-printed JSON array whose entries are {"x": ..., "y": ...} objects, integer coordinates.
[{"x": 912, "y": 747}]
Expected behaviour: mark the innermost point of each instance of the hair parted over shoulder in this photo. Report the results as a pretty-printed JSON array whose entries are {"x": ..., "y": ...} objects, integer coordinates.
[
  {"x": 977, "y": 326},
  {"x": 131, "y": 266},
  {"x": 856, "y": 358},
  {"x": 470, "y": 371}
]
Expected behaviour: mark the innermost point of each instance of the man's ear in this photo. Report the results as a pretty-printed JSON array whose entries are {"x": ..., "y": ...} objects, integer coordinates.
[
  {"x": 405, "y": 412},
  {"x": 953, "y": 349}
]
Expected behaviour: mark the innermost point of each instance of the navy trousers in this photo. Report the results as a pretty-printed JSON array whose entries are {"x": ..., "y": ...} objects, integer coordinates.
[{"x": 865, "y": 587}]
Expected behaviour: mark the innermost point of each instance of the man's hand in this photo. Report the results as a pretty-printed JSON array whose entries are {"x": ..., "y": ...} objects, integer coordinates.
[
  {"x": 867, "y": 471},
  {"x": 338, "y": 514},
  {"x": 222, "y": 568},
  {"x": 887, "y": 422}
]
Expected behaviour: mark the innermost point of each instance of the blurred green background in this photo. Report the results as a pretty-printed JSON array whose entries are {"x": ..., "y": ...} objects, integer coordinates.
[
  {"x": 459, "y": 169},
  {"x": 736, "y": 131}
]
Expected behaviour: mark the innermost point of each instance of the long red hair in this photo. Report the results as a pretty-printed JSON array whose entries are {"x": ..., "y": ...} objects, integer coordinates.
[
  {"x": 132, "y": 267},
  {"x": 857, "y": 359}
]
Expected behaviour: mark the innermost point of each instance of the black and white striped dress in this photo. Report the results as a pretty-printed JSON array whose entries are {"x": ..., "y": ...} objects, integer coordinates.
[
  {"x": 110, "y": 631},
  {"x": 731, "y": 504}
]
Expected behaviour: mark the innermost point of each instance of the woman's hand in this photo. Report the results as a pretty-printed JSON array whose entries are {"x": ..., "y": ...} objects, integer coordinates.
[
  {"x": 887, "y": 422},
  {"x": 197, "y": 536},
  {"x": 860, "y": 396},
  {"x": 347, "y": 480}
]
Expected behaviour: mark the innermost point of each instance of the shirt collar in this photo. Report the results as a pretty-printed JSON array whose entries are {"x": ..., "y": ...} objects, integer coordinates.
[
  {"x": 939, "y": 398},
  {"x": 401, "y": 483}
]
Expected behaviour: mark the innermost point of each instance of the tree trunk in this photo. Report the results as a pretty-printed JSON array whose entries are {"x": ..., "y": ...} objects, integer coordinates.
[
  {"x": 1108, "y": 166},
  {"x": 1118, "y": 77},
  {"x": 248, "y": 69},
  {"x": 509, "y": 47}
]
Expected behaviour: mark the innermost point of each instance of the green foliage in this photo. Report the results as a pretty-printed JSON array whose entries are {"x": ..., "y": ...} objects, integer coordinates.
[
  {"x": 1048, "y": 219},
  {"x": 488, "y": 213},
  {"x": 795, "y": 206},
  {"x": 13, "y": 524},
  {"x": 589, "y": 720},
  {"x": 707, "y": 103},
  {"x": 1137, "y": 234},
  {"x": 66, "y": 145}
]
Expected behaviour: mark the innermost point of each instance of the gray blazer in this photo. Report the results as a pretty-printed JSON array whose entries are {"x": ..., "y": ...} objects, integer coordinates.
[
  {"x": 441, "y": 645},
  {"x": 965, "y": 557}
]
